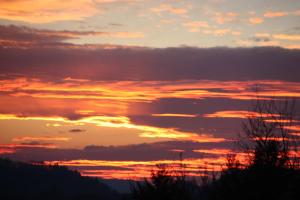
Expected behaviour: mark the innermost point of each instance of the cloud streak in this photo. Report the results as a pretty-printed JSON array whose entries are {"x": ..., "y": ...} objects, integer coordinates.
[
  {"x": 271, "y": 14},
  {"x": 23, "y": 36},
  {"x": 48, "y": 138},
  {"x": 256, "y": 20},
  {"x": 46, "y": 11},
  {"x": 130, "y": 161},
  {"x": 169, "y": 9},
  {"x": 35, "y": 11}
]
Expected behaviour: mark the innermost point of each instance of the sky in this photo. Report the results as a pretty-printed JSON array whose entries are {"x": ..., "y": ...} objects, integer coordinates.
[{"x": 114, "y": 87}]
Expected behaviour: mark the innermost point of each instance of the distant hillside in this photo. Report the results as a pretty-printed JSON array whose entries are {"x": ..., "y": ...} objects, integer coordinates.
[
  {"x": 35, "y": 182},
  {"x": 121, "y": 186}
]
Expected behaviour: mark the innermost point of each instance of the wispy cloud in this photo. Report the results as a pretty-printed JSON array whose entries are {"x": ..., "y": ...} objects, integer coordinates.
[
  {"x": 131, "y": 161},
  {"x": 168, "y": 8},
  {"x": 267, "y": 39},
  {"x": 35, "y": 11},
  {"x": 173, "y": 115},
  {"x": 45, "y": 138},
  {"x": 271, "y": 14},
  {"x": 25, "y": 36},
  {"x": 256, "y": 20},
  {"x": 275, "y": 14},
  {"x": 236, "y": 114},
  {"x": 194, "y": 26},
  {"x": 218, "y": 32},
  {"x": 127, "y": 34},
  {"x": 222, "y": 18},
  {"x": 12, "y": 148},
  {"x": 286, "y": 37}
]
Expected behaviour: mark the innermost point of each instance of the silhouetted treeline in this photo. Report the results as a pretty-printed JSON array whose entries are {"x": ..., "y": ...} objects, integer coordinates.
[
  {"x": 39, "y": 182},
  {"x": 271, "y": 173},
  {"x": 30, "y": 182},
  {"x": 251, "y": 183},
  {"x": 257, "y": 183},
  {"x": 163, "y": 185}
]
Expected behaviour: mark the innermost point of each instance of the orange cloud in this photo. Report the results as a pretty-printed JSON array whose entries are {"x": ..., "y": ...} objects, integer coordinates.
[
  {"x": 101, "y": 98},
  {"x": 295, "y": 134},
  {"x": 183, "y": 136},
  {"x": 49, "y": 138},
  {"x": 293, "y": 128},
  {"x": 214, "y": 151},
  {"x": 236, "y": 114},
  {"x": 220, "y": 32},
  {"x": 275, "y": 14},
  {"x": 263, "y": 35},
  {"x": 127, "y": 35},
  {"x": 292, "y": 46},
  {"x": 169, "y": 8},
  {"x": 194, "y": 26},
  {"x": 12, "y": 148},
  {"x": 124, "y": 122},
  {"x": 281, "y": 121},
  {"x": 256, "y": 20},
  {"x": 25, "y": 145},
  {"x": 35, "y": 11},
  {"x": 106, "y": 103},
  {"x": 6, "y": 150},
  {"x": 222, "y": 18},
  {"x": 272, "y": 14},
  {"x": 131, "y": 91},
  {"x": 137, "y": 170},
  {"x": 286, "y": 37},
  {"x": 47, "y": 11},
  {"x": 173, "y": 115}
]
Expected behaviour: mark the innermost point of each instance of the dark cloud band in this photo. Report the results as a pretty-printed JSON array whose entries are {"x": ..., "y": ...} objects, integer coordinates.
[{"x": 55, "y": 63}]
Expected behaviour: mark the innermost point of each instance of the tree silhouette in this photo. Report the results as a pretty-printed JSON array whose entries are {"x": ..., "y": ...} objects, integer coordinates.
[
  {"x": 165, "y": 184},
  {"x": 267, "y": 137},
  {"x": 272, "y": 171}
]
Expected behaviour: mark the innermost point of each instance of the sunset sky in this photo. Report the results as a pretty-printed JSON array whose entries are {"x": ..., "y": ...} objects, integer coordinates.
[{"x": 113, "y": 87}]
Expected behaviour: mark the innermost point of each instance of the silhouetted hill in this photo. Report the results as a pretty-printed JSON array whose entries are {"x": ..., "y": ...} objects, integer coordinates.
[
  {"x": 252, "y": 183},
  {"x": 121, "y": 186},
  {"x": 35, "y": 182}
]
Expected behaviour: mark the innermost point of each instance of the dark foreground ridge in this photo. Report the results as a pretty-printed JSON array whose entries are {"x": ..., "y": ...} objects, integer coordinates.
[
  {"x": 39, "y": 182},
  {"x": 31, "y": 182},
  {"x": 234, "y": 183}
]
